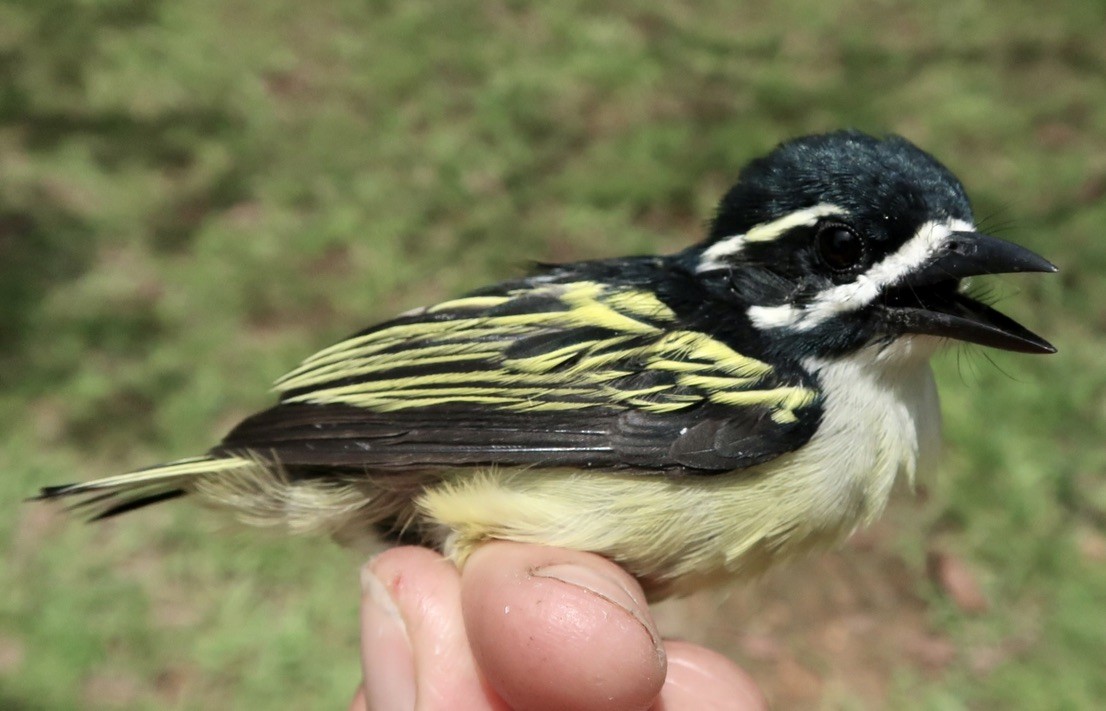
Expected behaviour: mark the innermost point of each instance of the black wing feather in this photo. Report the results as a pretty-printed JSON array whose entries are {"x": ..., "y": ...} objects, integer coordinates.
[
  {"x": 703, "y": 441},
  {"x": 557, "y": 371}
]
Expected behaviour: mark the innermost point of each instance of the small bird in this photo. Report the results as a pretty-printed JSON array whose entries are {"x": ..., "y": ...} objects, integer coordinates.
[{"x": 693, "y": 417}]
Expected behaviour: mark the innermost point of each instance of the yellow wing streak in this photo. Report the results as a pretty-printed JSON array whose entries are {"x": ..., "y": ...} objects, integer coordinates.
[
  {"x": 574, "y": 376},
  {"x": 371, "y": 343},
  {"x": 506, "y": 403},
  {"x": 444, "y": 394},
  {"x": 714, "y": 382},
  {"x": 584, "y": 310},
  {"x": 469, "y": 302},
  {"x": 544, "y": 362},
  {"x": 639, "y": 303},
  {"x": 597, "y": 314},
  {"x": 365, "y": 366},
  {"x": 464, "y": 382},
  {"x": 788, "y": 398},
  {"x": 580, "y": 297},
  {"x": 676, "y": 366},
  {"x": 548, "y": 406},
  {"x": 700, "y": 346}
]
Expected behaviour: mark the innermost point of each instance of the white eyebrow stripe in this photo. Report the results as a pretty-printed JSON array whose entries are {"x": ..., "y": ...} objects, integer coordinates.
[
  {"x": 867, "y": 286},
  {"x": 714, "y": 256},
  {"x": 769, "y": 231}
]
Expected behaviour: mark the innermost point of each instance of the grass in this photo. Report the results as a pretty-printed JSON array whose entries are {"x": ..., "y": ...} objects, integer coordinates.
[{"x": 194, "y": 195}]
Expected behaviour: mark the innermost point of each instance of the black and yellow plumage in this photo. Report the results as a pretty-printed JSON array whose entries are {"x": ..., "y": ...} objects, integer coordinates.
[
  {"x": 679, "y": 414},
  {"x": 573, "y": 367}
]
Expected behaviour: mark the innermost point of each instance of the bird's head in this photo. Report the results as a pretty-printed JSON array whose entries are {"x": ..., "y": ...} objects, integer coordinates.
[{"x": 836, "y": 241}]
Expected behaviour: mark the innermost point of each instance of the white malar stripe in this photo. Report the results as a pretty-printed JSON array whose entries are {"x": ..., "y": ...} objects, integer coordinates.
[
  {"x": 867, "y": 286},
  {"x": 769, "y": 317},
  {"x": 715, "y": 256}
]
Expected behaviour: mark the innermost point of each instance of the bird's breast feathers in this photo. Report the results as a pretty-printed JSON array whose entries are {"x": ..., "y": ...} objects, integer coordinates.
[{"x": 880, "y": 422}]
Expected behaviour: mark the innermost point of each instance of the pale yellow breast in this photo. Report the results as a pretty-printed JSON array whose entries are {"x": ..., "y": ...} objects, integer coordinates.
[{"x": 677, "y": 533}]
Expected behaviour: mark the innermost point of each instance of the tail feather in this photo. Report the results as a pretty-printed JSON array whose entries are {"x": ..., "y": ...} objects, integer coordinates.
[
  {"x": 136, "y": 503},
  {"x": 110, "y": 496},
  {"x": 259, "y": 491}
]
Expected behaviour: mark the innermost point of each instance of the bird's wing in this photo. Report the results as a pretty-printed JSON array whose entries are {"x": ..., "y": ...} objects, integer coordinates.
[{"x": 548, "y": 374}]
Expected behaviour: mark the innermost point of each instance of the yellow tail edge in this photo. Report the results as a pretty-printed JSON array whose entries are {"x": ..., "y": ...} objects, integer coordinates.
[{"x": 113, "y": 495}]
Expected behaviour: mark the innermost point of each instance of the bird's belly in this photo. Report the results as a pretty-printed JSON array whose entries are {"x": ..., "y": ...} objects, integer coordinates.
[{"x": 677, "y": 533}]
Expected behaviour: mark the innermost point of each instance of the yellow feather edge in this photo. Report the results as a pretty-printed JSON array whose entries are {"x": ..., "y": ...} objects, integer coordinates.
[{"x": 536, "y": 382}]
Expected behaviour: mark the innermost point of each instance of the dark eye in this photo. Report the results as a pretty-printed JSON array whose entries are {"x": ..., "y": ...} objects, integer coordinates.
[{"x": 839, "y": 247}]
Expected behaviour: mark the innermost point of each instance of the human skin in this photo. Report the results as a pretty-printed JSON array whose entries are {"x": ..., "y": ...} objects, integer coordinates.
[{"x": 526, "y": 628}]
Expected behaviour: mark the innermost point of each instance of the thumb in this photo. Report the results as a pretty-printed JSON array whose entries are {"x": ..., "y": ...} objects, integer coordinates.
[{"x": 538, "y": 616}]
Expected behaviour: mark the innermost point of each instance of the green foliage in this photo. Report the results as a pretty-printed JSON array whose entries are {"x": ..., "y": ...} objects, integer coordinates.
[{"x": 195, "y": 194}]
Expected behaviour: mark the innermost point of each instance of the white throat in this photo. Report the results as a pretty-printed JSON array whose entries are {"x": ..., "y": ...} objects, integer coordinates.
[{"x": 882, "y": 420}]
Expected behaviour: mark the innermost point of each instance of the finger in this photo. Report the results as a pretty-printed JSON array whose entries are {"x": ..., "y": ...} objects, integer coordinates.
[
  {"x": 557, "y": 629},
  {"x": 704, "y": 680},
  {"x": 415, "y": 646},
  {"x": 359, "y": 703},
  {"x": 387, "y": 660}
]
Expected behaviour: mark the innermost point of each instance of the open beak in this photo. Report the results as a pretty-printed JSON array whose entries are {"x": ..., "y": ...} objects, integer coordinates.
[{"x": 929, "y": 301}]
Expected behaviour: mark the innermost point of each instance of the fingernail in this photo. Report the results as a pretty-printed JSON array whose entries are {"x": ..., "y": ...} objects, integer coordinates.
[
  {"x": 605, "y": 587},
  {"x": 389, "y": 664}
]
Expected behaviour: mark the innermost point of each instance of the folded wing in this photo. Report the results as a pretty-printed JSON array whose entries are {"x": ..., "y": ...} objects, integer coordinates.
[{"x": 537, "y": 373}]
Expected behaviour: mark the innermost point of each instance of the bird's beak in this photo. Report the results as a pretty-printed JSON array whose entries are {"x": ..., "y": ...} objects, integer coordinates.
[{"x": 929, "y": 300}]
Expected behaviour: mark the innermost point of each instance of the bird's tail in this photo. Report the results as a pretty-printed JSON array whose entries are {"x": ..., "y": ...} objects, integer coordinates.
[{"x": 113, "y": 495}]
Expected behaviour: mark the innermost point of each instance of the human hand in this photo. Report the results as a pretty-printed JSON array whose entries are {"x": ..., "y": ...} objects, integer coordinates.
[{"x": 526, "y": 628}]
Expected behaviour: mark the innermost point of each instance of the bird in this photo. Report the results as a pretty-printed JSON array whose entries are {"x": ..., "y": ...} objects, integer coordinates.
[{"x": 694, "y": 417}]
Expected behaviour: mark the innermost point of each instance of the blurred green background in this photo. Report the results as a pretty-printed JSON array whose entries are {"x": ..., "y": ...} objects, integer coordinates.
[{"x": 196, "y": 194}]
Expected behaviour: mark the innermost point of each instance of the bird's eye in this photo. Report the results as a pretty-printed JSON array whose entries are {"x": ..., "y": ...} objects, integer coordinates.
[{"x": 839, "y": 247}]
